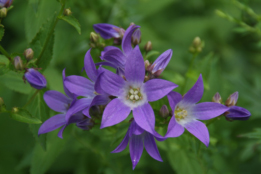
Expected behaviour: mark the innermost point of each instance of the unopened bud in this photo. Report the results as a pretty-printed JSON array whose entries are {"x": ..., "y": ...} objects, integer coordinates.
[
  {"x": 15, "y": 110},
  {"x": 164, "y": 112},
  {"x": 3, "y": 12},
  {"x": 196, "y": 42},
  {"x": 132, "y": 23},
  {"x": 18, "y": 63},
  {"x": 29, "y": 54},
  {"x": 94, "y": 37},
  {"x": 147, "y": 64},
  {"x": 136, "y": 37},
  {"x": 1, "y": 101},
  {"x": 148, "y": 46},
  {"x": 196, "y": 46},
  {"x": 232, "y": 99},
  {"x": 67, "y": 12},
  {"x": 217, "y": 98},
  {"x": 157, "y": 73}
]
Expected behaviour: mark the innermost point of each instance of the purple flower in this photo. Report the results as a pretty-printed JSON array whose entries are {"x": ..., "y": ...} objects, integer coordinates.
[
  {"x": 35, "y": 78},
  {"x": 64, "y": 104},
  {"x": 89, "y": 89},
  {"x": 139, "y": 138},
  {"x": 108, "y": 31},
  {"x": 132, "y": 94},
  {"x": 6, "y": 3},
  {"x": 186, "y": 112},
  {"x": 136, "y": 37}
]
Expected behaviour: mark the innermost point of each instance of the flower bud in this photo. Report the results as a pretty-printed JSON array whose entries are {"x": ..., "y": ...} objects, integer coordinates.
[
  {"x": 196, "y": 42},
  {"x": 6, "y": 3},
  {"x": 3, "y": 12},
  {"x": 196, "y": 46},
  {"x": 237, "y": 113},
  {"x": 148, "y": 46},
  {"x": 29, "y": 54},
  {"x": 35, "y": 78},
  {"x": 94, "y": 37},
  {"x": 136, "y": 37},
  {"x": 15, "y": 110},
  {"x": 18, "y": 63},
  {"x": 164, "y": 112},
  {"x": 217, "y": 98},
  {"x": 67, "y": 12},
  {"x": 232, "y": 99},
  {"x": 147, "y": 64}
]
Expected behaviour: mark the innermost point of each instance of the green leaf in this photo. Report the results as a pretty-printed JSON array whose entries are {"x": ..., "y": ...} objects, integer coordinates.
[
  {"x": 4, "y": 63},
  {"x": 2, "y": 31},
  {"x": 14, "y": 81},
  {"x": 39, "y": 109},
  {"x": 23, "y": 115},
  {"x": 150, "y": 54},
  {"x": 256, "y": 134},
  {"x": 72, "y": 21}
]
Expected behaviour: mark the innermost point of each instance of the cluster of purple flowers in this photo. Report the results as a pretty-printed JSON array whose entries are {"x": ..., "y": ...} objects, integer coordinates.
[{"x": 130, "y": 89}]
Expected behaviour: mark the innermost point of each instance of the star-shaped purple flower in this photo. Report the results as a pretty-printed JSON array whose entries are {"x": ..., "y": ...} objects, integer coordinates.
[
  {"x": 139, "y": 139},
  {"x": 186, "y": 113},
  {"x": 132, "y": 94}
]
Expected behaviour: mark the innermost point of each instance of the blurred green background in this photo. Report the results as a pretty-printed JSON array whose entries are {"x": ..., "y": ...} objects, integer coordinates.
[{"x": 229, "y": 62}]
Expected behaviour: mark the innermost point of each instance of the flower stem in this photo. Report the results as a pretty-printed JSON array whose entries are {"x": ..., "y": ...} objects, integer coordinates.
[
  {"x": 31, "y": 99},
  {"x": 2, "y": 50}
]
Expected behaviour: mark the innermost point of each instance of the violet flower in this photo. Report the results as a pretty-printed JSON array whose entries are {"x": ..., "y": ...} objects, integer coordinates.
[
  {"x": 63, "y": 104},
  {"x": 6, "y": 3},
  {"x": 108, "y": 31},
  {"x": 132, "y": 94},
  {"x": 136, "y": 37},
  {"x": 82, "y": 86},
  {"x": 139, "y": 138},
  {"x": 35, "y": 78},
  {"x": 186, "y": 112}
]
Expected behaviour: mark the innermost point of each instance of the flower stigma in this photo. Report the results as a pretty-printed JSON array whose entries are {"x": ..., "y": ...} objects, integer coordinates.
[
  {"x": 134, "y": 94},
  {"x": 180, "y": 113}
]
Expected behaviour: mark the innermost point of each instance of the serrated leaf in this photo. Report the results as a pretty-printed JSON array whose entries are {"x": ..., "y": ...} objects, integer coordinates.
[
  {"x": 14, "y": 81},
  {"x": 72, "y": 21},
  {"x": 24, "y": 116},
  {"x": 2, "y": 31},
  {"x": 4, "y": 63},
  {"x": 39, "y": 109}
]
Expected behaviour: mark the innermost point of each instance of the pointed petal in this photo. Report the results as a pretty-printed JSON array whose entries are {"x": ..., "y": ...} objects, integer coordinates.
[
  {"x": 123, "y": 144},
  {"x": 158, "y": 88},
  {"x": 136, "y": 149},
  {"x": 208, "y": 110},
  {"x": 199, "y": 130},
  {"x": 52, "y": 123},
  {"x": 67, "y": 92},
  {"x": 78, "y": 106},
  {"x": 80, "y": 86},
  {"x": 106, "y": 64},
  {"x": 135, "y": 68},
  {"x": 195, "y": 93},
  {"x": 107, "y": 48},
  {"x": 112, "y": 83},
  {"x": 60, "y": 133},
  {"x": 144, "y": 117},
  {"x": 126, "y": 40},
  {"x": 57, "y": 101},
  {"x": 174, "y": 98},
  {"x": 106, "y": 31},
  {"x": 135, "y": 129},
  {"x": 238, "y": 113},
  {"x": 115, "y": 56},
  {"x": 174, "y": 129},
  {"x": 114, "y": 113},
  {"x": 89, "y": 66},
  {"x": 162, "y": 61},
  {"x": 151, "y": 147}
]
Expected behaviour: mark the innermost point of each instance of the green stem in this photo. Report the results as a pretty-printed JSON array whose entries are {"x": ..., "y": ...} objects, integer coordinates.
[
  {"x": 31, "y": 99},
  {"x": 2, "y": 50},
  {"x": 189, "y": 69},
  {"x": 50, "y": 33},
  {"x": 212, "y": 121}
]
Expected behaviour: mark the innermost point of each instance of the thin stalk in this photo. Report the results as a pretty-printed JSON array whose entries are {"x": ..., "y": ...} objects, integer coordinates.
[
  {"x": 2, "y": 50},
  {"x": 31, "y": 99}
]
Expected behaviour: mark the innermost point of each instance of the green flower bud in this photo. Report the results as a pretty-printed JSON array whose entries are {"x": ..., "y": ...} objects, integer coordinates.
[
  {"x": 67, "y": 12},
  {"x": 3, "y": 12},
  {"x": 15, "y": 110},
  {"x": 29, "y": 54},
  {"x": 148, "y": 46},
  {"x": 94, "y": 37}
]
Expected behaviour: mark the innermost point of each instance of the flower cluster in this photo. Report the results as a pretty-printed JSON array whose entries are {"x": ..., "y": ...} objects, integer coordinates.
[{"x": 134, "y": 84}]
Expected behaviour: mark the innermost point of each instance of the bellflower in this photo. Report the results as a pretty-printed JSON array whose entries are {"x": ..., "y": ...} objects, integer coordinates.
[
  {"x": 6, "y": 3},
  {"x": 35, "y": 78},
  {"x": 136, "y": 37},
  {"x": 108, "y": 31},
  {"x": 186, "y": 113},
  {"x": 63, "y": 104},
  {"x": 139, "y": 138},
  {"x": 132, "y": 94},
  {"x": 82, "y": 86}
]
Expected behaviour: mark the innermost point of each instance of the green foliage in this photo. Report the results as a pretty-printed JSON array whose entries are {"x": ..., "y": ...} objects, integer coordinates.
[
  {"x": 2, "y": 31},
  {"x": 4, "y": 64},
  {"x": 72, "y": 21},
  {"x": 23, "y": 115}
]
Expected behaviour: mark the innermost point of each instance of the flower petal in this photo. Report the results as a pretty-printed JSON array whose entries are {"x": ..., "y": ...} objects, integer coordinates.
[
  {"x": 135, "y": 129},
  {"x": 57, "y": 101},
  {"x": 158, "y": 88},
  {"x": 106, "y": 64},
  {"x": 135, "y": 68},
  {"x": 123, "y": 144},
  {"x": 195, "y": 93},
  {"x": 106, "y": 31},
  {"x": 151, "y": 147},
  {"x": 174, "y": 129},
  {"x": 162, "y": 61},
  {"x": 89, "y": 66},
  {"x": 52, "y": 123},
  {"x": 80, "y": 86},
  {"x": 136, "y": 149},
  {"x": 199, "y": 130},
  {"x": 208, "y": 110},
  {"x": 126, "y": 40},
  {"x": 60, "y": 133},
  {"x": 67, "y": 92},
  {"x": 111, "y": 83},
  {"x": 35, "y": 78},
  {"x": 115, "y": 56},
  {"x": 144, "y": 117},
  {"x": 174, "y": 98},
  {"x": 238, "y": 113},
  {"x": 114, "y": 113}
]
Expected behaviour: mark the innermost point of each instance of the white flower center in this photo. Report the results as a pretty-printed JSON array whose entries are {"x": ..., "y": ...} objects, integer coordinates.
[
  {"x": 180, "y": 113},
  {"x": 134, "y": 94}
]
